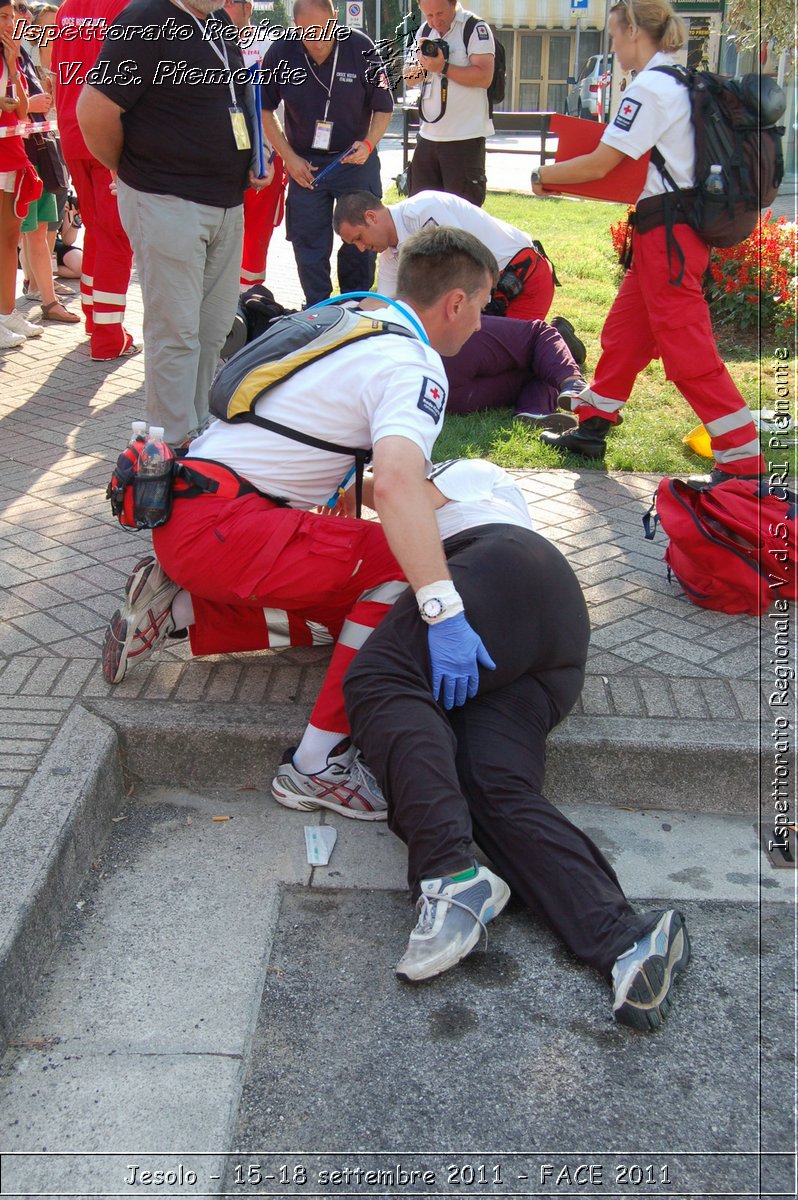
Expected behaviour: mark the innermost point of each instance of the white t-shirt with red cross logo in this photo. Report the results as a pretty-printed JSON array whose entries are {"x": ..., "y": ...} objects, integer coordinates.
[{"x": 655, "y": 111}]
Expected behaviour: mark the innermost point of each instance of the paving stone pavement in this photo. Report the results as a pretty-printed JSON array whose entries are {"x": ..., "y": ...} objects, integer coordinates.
[{"x": 64, "y": 561}]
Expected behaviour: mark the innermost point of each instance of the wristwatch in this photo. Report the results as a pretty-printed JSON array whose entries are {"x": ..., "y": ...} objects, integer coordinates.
[
  {"x": 535, "y": 178},
  {"x": 431, "y": 609}
]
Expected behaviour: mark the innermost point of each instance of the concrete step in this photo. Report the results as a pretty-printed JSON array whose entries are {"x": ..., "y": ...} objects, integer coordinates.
[{"x": 682, "y": 762}]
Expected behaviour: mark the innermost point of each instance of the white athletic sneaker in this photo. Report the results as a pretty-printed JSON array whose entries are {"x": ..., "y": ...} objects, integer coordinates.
[
  {"x": 346, "y": 786},
  {"x": 8, "y": 339},
  {"x": 16, "y": 323},
  {"x": 143, "y": 623},
  {"x": 452, "y": 916}
]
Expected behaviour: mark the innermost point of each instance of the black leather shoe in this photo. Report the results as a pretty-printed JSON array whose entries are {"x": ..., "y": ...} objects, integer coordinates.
[
  {"x": 569, "y": 336},
  {"x": 588, "y": 440},
  {"x": 555, "y": 422}
]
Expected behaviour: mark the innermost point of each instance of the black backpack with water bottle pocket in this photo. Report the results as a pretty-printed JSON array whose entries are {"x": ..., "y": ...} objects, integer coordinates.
[{"x": 734, "y": 124}]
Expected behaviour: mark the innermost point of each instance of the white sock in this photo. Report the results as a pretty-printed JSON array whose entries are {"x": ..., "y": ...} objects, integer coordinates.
[
  {"x": 313, "y": 751},
  {"x": 183, "y": 610}
]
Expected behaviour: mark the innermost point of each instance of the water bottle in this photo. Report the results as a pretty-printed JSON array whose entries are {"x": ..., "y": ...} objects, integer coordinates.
[
  {"x": 715, "y": 184},
  {"x": 152, "y": 488},
  {"x": 119, "y": 490}
]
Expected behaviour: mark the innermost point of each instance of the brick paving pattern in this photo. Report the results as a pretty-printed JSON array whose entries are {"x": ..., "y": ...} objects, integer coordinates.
[{"x": 64, "y": 561}]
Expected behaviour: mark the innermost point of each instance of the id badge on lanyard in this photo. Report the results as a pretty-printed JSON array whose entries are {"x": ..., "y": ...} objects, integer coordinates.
[
  {"x": 238, "y": 121},
  {"x": 322, "y": 136},
  {"x": 322, "y": 133}
]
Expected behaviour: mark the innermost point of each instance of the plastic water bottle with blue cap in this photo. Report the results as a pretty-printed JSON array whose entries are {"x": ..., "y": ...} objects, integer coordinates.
[{"x": 152, "y": 488}]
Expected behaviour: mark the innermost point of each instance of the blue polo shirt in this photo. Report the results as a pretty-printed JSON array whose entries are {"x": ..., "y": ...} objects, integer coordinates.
[{"x": 359, "y": 88}]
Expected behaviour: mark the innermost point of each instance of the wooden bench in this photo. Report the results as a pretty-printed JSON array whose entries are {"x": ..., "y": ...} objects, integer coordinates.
[{"x": 526, "y": 124}]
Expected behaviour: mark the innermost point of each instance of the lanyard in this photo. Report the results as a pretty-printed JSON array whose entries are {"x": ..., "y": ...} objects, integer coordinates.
[
  {"x": 329, "y": 89},
  {"x": 221, "y": 54}
]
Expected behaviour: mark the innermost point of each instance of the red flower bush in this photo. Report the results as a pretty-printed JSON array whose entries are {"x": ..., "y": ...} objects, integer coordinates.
[{"x": 753, "y": 283}]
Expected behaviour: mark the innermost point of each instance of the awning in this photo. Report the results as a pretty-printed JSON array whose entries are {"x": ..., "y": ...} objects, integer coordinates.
[{"x": 546, "y": 14}]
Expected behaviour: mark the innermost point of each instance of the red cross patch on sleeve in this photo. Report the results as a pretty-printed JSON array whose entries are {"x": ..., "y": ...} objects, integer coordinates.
[
  {"x": 626, "y": 114},
  {"x": 432, "y": 398}
]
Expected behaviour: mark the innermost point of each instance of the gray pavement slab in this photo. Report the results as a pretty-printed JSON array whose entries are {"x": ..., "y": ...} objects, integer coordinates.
[
  {"x": 203, "y": 955},
  {"x": 515, "y": 1049}
]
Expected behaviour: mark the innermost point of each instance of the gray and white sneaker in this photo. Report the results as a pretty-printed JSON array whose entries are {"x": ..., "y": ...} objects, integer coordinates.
[
  {"x": 643, "y": 976},
  {"x": 556, "y": 422},
  {"x": 143, "y": 623},
  {"x": 345, "y": 786},
  {"x": 570, "y": 392},
  {"x": 451, "y": 919}
]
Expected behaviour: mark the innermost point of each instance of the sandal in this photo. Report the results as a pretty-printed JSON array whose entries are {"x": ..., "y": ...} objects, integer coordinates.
[{"x": 64, "y": 317}]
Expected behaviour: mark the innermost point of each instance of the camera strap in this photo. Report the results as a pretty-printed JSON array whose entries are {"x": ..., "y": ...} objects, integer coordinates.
[{"x": 423, "y": 33}]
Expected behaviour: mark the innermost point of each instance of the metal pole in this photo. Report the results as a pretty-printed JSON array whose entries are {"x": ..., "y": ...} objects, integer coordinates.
[
  {"x": 605, "y": 50},
  {"x": 377, "y": 20},
  {"x": 576, "y": 47}
]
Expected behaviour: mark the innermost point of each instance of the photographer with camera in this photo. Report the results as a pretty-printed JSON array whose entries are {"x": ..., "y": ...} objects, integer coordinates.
[
  {"x": 453, "y": 63},
  {"x": 525, "y": 288}
]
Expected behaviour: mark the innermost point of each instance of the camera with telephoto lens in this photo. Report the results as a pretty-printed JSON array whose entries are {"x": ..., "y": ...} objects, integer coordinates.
[{"x": 429, "y": 47}]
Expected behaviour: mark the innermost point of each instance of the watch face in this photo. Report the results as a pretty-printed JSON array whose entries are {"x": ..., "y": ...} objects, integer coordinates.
[{"x": 432, "y": 608}]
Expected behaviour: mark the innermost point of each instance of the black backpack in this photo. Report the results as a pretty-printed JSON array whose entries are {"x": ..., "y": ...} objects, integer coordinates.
[
  {"x": 497, "y": 88},
  {"x": 734, "y": 123}
]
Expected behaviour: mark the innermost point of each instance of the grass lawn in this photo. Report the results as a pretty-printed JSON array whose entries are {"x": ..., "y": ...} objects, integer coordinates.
[{"x": 576, "y": 237}]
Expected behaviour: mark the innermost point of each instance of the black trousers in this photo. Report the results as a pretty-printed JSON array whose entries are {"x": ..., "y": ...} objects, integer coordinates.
[
  {"x": 455, "y": 167},
  {"x": 476, "y": 773}
]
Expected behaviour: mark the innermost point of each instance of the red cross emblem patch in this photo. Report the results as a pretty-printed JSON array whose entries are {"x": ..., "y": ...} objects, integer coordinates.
[
  {"x": 626, "y": 114},
  {"x": 432, "y": 398}
]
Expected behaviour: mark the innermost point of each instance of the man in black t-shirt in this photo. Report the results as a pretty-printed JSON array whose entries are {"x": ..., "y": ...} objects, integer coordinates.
[
  {"x": 337, "y": 97},
  {"x": 171, "y": 114}
]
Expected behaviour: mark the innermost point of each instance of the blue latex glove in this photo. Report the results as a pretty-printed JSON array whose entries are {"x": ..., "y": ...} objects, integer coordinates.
[{"x": 455, "y": 652}]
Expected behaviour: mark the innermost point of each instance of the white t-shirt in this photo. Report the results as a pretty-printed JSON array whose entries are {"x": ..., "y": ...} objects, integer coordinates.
[
  {"x": 480, "y": 493},
  {"x": 380, "y": 387},
  {"x": 429, "y": 209},
  {"x": 466, "y": 113},
  {"x": 655, "y": 110}
]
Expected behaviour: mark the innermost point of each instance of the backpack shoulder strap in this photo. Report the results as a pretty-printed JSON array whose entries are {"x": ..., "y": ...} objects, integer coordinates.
[{"x": 680, "y": 74}]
